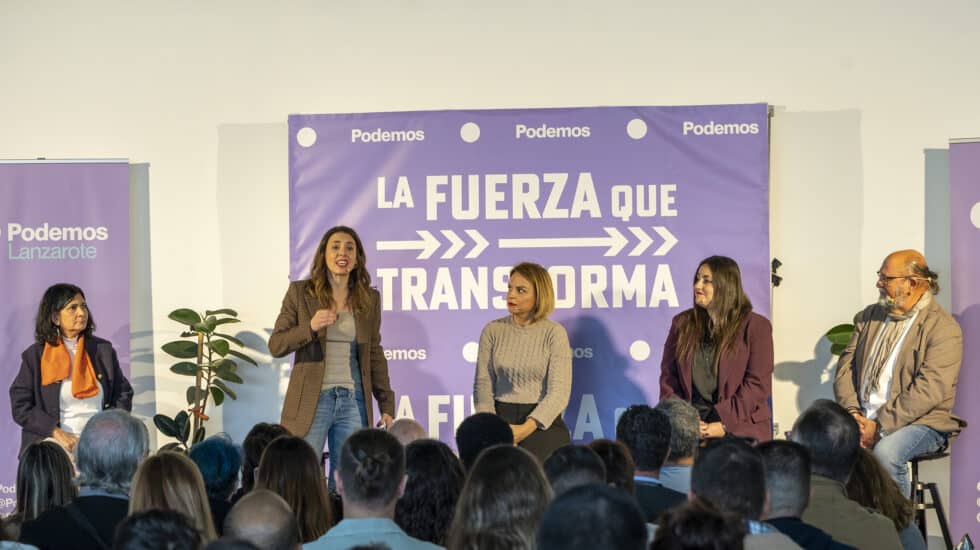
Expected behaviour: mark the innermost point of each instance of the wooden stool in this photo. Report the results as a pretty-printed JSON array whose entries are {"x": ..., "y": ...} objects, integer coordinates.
[{"x": 919, "y": 505}]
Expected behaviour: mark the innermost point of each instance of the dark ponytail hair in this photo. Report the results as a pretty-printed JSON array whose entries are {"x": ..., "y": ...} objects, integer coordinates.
[{"x": 372, "y": 465}]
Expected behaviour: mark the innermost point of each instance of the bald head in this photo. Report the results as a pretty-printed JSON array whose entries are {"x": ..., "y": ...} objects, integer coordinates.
[
  {"x": 903, "y": 278},
  {"x": 407, "y": 430},
  {"x": 264, "y": 519}
]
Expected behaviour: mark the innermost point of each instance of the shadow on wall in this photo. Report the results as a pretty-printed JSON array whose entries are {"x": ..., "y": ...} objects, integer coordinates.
[
  {"x": 816, "y": 375},
  {"x": 141, "y": 369}
]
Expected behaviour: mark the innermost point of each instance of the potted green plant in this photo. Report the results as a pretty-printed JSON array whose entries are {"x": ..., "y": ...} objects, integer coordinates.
[
  {"x": 839, "y": 336},
  {"x": 206, "y": 355}
]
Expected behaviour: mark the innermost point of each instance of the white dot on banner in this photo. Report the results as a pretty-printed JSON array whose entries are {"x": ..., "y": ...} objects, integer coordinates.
[
  {"x": 470, "y": 132},
  {"x": 306, "y": 137},
  {"x": 640, "y": 350},
  {"x": 636, "y": 128},
  {"x": 470, "y": 350},
  {"x": 975, "y": 215}
]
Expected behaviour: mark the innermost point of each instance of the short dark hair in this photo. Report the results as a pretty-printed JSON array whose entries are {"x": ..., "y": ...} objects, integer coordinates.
[
  {"x": 219, "y": 461},
  {"x": 593, "y": 516},
  {"x": 157, "y": 530},
  {"x": 372, "y": 464},
  {"x": 435, "y": 479},
  {"x": 55, "y": 298},
  {"x": 831, "y": 436},
  {"x": 697, "y": 525},
  {"x": 257, "y": 439},
  {"x": 730, "y": 475},
  {"x": 479, "y": 431},
  {"x": 572, "y": 466},
  {"x": 787, "y": 477},
  {"x": 646, "y": 433},
  {"x": 620, "y": 469}
]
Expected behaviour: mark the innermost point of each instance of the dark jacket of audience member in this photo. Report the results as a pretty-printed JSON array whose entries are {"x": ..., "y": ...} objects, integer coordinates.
[
  {"x": 252, "y": 448},
  {"x": 502, "y": 502},
  {"x": 697, "y": 525},
  {"x": 620, "y": 468},
  {"x": 291, "y": 469},
  {"x": 264, "y": 519},
  {"x": 435, "y": 479},
  {"x": 109, "y": 450},
  {"x": 646, "y": 433},
  {"x": 593, "y": 516},
  {"x": 219, "y": 461},
  {"x": 157, "y": 530},
  {"x": 478, "y": 432},
  {"x": 573, "y": 466}
]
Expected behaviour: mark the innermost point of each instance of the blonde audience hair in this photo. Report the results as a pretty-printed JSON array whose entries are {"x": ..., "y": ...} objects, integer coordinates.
[{"x": 171, "y": 481}]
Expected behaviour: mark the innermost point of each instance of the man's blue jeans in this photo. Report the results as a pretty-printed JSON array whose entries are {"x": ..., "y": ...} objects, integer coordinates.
[
  {"x": 895, "y": 449},
  {"x": 339, "y": 413}
]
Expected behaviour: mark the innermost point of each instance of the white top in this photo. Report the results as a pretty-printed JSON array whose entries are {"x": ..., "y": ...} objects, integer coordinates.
[
  {"x": 76, "y": 412},
  {"x": 878, "y": 398}
]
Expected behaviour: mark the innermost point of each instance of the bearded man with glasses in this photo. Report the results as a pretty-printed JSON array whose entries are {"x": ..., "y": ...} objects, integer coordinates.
[{"x": 897, "y": 375}]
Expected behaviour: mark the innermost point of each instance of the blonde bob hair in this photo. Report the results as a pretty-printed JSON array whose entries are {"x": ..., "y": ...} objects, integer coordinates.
[
  {"x": 544, "y": 290},
  {"x": 171, "y": 481}
]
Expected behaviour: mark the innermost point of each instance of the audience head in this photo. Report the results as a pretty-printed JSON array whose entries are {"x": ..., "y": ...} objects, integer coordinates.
[
  {"x": 871, "y": 486},
  {"x": 593, "y": 516},
  {"x": 572, "y": 466},
  {"x": 171, "y": 481},
  {"x": 502, "y": 501},
  {"x": 620, "y": 469},
  {"x": 264, "y": 519},
  {"x": 697, "y": 525},
  {"x": 157, "y": 529},
  {"x": 685, "y": 428},
  {"x": 435, "y": 479},
  {"x": 219, "y": 461},
  {"x": 407, "y": 430},
  {"x": 787, "y": 477},
  {"x": 109, "y": 450},
  {"x": 371, "y": 474},
  {"x": 44, "y": 479},
  {"x": 646, "y": 433},
  {"x": 252, "y": 448},
  {"x": 225, "y": 543},
  {"x": 478, "y": 432},
  {"x": 291, "y": 469},
  {"x": 832, "y": 438},
  {"x": 730, "y": 475}
]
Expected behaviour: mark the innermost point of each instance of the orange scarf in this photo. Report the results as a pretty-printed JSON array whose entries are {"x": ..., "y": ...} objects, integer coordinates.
[{"x": 56, "y": 366}]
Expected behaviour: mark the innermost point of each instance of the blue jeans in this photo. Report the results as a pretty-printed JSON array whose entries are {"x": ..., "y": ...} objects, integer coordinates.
[
  {"x": 339, "y": 413},
  {"x": 895, "y": 449}
]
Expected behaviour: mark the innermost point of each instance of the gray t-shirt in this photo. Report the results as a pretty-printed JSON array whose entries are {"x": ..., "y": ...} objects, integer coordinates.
[{"x": 339, "y": 352}]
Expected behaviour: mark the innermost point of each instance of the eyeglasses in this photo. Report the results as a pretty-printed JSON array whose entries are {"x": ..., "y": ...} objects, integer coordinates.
[{"x": 887, "y": 278}]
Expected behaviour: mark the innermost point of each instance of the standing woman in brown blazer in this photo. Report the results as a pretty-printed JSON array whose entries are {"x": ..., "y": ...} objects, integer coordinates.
[{"x": 332, "y": 322}]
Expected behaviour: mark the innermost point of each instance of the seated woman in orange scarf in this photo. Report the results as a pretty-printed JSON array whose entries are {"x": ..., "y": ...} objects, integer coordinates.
[{"x": 68, "y": 374}]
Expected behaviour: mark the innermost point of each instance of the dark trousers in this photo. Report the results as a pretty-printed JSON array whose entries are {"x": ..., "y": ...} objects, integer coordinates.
[{"x": 541, "y": 443}]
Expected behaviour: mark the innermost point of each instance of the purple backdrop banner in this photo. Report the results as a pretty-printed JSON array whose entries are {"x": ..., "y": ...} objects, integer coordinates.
[
  {"x": 964, "y": 194},
  {"x": 619, "y": 204},
  {"x": 59, "y": 222}
]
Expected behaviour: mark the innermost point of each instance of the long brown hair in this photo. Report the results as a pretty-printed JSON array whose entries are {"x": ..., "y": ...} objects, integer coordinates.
[
  {"x": 289, "y": 468},
  {"x": 171, "y": 481},
  {"x": 359, "y": 282},
  {"x": 870, "y": 485},
  {"x": 730, "y": 303}
]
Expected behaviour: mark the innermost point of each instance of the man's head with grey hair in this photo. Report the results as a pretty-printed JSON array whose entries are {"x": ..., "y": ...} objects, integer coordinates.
[
  {"x": 685, "y": 429},
  {"x": 264, "y": 519},
  {"x": 407, "y": 430},
  {"x": 110, "y": 448}
]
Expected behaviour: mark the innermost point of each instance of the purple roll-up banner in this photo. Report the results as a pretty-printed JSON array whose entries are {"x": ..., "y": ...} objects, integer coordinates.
[
  {"x": 619, "y": 203},
  {"x": 964, "y": 213},
  {"x": 60, "y": 222}
]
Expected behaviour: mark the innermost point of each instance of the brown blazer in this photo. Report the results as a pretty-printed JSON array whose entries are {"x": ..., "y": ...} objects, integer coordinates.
[
  {"x": 744, "y": 377},
  {"x": 923, "y": 385},
  {"x": 292, "y": 333}
]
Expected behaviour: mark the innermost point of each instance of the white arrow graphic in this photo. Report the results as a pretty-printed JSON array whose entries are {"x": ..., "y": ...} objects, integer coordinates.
[
  {"x": 455, "y": 247},
  {"x": 427, "y": 246},
  {"x": 645, "y": 241},
  {"x": 669, "y": 240},
  {"x": 479, "y": 244},
  {"x": 615, "y": 242}
]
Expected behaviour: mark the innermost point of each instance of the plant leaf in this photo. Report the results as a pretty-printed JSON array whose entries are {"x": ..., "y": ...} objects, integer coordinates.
[
  {"x": 172, "y": 446},
  {"x": 185, "y": 316},
  {"x": 202, "y": 327},
  {"x": 224, "y": 387},
  {"x": 230, "y": 338},
  {"x": 192, "y": 394},
  {"x": 181, "y": 349},
  {"x": 837, "y": 349},
  {"x": 198, "y": 435},
  {"x": 183, "y": 425},
  {"x": 224, "y": 311},
  {"x": 218, "y": 395},
  {"x": 187, "y": 333},
  {"x": 219, "y": 346},
  {"x": 242, "y": 356},
  {"x": 185, "y": 368},
  {"x": 165, "y": 424},
  {"x": 841, "y": 334},
  {"x": 225, "y": 366},
  {"x": 230, "y": 376},
  {"x": 226, "y": 320}
]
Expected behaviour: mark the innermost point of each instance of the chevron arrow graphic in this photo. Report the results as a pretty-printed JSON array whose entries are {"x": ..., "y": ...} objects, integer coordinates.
[{"x": 426, "y": 245}]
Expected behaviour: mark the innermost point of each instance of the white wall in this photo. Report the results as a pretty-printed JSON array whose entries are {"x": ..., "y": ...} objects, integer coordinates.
[{"x": 200, "y": 92}]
